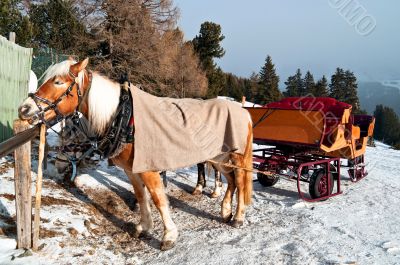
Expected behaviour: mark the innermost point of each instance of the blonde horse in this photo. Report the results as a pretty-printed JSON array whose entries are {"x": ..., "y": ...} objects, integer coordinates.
[{"x": 69, "y": 87}]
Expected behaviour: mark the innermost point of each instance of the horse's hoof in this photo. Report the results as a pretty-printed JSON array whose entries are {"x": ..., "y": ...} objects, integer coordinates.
[
  {"x": 196, "y": 192},
  {"x": 215, "y": 194},
  {"x": 237, "y": 223},
  {"x": 166, "y": 245},
  {"x": 227, "y": 219},
  {"x": 137, "y": 234},
  {"x": 144, "y": 235}
]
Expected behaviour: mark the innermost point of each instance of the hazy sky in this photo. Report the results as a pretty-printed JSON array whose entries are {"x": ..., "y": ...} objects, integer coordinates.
[{"x": 307, "y": 34}]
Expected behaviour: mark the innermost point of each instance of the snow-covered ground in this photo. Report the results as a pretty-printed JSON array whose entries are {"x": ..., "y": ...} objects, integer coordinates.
[{"x": 93, "y": 223}]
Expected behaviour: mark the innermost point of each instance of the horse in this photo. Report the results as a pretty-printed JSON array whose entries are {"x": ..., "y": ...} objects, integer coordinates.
[
  {"x": 69, "y": 86},
  {"x": 201, "y": 181}
]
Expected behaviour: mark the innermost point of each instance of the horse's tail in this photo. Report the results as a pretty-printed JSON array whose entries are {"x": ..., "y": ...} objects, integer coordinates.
[{"x": 248, "y": 164}]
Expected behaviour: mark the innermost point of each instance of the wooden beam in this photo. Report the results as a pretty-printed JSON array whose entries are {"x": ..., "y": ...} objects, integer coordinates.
[
  {"x": 22, "y": 180},
  {"x": 9, "y": 146},
  {"x": 38, "y": 194}
]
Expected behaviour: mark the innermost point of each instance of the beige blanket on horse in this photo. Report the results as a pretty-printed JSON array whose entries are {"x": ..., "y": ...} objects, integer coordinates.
[{"x": 174, "y": 133}]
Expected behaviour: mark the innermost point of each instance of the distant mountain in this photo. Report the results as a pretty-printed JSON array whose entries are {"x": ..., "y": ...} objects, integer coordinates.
[{"x": 375, "y": 93}]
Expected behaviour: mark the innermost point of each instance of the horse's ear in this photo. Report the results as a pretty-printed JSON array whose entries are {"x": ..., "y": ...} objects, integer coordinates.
[
  {"x": 79, "y": 66},
  {"x": 83, "y": 64}
]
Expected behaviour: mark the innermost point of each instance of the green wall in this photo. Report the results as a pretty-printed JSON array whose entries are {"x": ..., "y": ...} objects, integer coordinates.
[{"x": 15, "y": 64}]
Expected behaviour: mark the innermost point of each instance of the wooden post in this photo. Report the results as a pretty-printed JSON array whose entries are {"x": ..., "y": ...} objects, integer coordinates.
[
  {"x": 38, "y": 194},
  {"x": 46, "y": 154},
  {"x": 11, "y": 37},
  {"x": 22, "y": 179},
  {"x": 243, "y": 101}
]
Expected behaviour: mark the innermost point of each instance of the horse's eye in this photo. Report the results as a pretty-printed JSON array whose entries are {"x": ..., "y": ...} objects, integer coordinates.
[{"x": 58, "y": 82}]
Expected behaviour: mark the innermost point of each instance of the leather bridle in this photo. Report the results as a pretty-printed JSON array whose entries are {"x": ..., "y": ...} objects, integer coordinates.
[{"x": 54, "y": 105}]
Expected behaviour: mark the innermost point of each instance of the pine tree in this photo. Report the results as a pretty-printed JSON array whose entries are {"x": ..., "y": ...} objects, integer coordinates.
[
  {"x": 216, "y": 82},
  {"x": 12, "y": 20},
  {"x": 321, "y": 88},
  {"x": 56, "y": 25},
  {"x": 269, "y": 81},
  {"x": 208, "y": 46},
  {"x": 247, "y": 91},
  {"x": 351, "y": 96},
  {"x": 387, "y": 125},
  {"x": 253, "y": 88},
  {"x": 309, "y": 84},
  {"x": 233, "y": 87},
  {"x": 291, "y": 87},
  {"x": 338, "y": 85},
  {"x": 295, "y": 85},
  {"x": 344, "y": 87},
  {"x": 299, "y": 83},
  {"x": 208, "y": 43},
  {"x": 379, "y": 132}
]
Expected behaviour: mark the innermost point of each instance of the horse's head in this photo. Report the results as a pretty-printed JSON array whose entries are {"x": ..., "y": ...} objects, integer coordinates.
[{"x": 60, "y": 93}]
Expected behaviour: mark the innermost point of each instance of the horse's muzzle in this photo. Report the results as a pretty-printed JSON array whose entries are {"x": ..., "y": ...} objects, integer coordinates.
[
  {"x": 28, "y": 111},
  {"x": 23, "y": 112}
]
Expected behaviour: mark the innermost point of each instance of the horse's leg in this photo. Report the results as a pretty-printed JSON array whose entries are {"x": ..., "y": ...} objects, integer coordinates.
[
  {"x": 201, "y": 179},
  {"x": 218, "y": 184},
  {"x": 146, "y": 222},
  {"x": 226, "y": 207},
  {"x": 152, "y": 180},
  {"x": 243, "y": 179},
  {"x": 238, "y": 219}
]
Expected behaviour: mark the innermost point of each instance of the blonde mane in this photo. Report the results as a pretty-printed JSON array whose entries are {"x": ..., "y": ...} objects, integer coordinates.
[
  {"x": 103, "y": 102},
  {"x": 61, "y": 69}
]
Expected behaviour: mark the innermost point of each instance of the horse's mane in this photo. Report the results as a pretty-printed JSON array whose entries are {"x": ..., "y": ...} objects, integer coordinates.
[
  {"x": 61, "y": 69},
  {"x": 103, "y": 102},
  {"x": 103, "y": 97}
]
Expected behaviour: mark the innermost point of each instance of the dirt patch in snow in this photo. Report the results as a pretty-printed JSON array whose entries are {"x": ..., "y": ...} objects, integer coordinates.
[
  {"x": 72, "y": 231},
  {"x": 49, "y": 233},
  {"x": 5, "y": 166},
  {"x": 112, "y": 214},
  {"x": 8, "y": 196},
  {"x": 48, "y": 201}
]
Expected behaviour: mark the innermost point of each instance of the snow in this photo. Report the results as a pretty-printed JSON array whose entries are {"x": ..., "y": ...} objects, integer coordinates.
[
  {"x": 92, "y": 223},
  {"x": 391, "y": 83},
  {"x": 246, "y": 103}
]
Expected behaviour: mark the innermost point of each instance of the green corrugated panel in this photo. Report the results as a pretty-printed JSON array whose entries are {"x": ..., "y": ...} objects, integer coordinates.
[
  {"x": 44, "y": 58},
  {"x": 15, "y": 64}
]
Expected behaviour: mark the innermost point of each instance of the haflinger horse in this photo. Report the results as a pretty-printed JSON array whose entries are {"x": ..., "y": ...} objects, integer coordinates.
[{"x": 68, "y": 87}]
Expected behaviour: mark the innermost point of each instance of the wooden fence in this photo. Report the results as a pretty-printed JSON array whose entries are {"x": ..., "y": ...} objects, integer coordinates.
[{"x": 15, "y": 65}]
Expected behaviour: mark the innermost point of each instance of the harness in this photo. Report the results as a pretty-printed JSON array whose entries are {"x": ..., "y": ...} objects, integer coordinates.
[
  {"x": 119, "y": 133},
  {"x": 54, "y": 105},
  {"x": 121, "y": 129}
]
